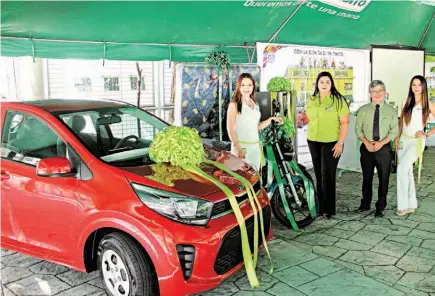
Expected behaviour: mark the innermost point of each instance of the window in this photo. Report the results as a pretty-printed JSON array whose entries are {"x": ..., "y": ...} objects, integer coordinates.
[
  {"x": 28, "y": 139},
  {"x": 83, "y": 85},
  {"x": 111, "y": 83},
  {"x": 86, "y": 127},
  {"x": 133, "y": 82},
  {"x": 118, "y": 135},
  {"x": 129, "y": 126},
  {"x": 169, "y": 116}
]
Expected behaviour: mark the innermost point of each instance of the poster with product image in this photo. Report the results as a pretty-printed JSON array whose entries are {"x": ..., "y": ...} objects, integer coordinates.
[
  {"x": 430, "y": 78},
  {"x": 350, "y": 70}
]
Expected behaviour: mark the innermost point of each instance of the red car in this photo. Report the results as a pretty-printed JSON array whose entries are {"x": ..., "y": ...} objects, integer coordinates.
[{"x": 78, "y": 189}]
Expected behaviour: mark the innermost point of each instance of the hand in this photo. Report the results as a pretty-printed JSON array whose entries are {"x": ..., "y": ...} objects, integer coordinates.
[
  {"x": 377, "y": 145},
  {"x": 239, "y": 151},
  {"x": 277, "y": 119},
  {"x": 338, "y": 150},
  {"x": 396, "y": 144},
  {"x": 370, "y": 147},
  {"x": 420, "y": 134}
]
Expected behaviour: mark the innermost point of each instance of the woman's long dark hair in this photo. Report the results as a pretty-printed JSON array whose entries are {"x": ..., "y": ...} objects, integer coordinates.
[
  {"x": 335, "y": 94},
  {"x": 410, "y": 101},
  {"x": 237, "y": 97}
]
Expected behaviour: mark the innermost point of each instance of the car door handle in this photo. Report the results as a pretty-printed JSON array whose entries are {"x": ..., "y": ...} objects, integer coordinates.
[{"x": 4, "y": 175}]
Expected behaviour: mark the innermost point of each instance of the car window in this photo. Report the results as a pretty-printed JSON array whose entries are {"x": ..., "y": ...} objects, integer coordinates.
[
  {"x": 115, "y": 134},
  {"x": 129, "y": 126},
  {"x": 88, "y": 127},
  {"x": 28, "y": 139}
]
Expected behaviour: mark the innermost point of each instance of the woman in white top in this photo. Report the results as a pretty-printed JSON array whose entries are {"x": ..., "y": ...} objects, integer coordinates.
[
  {"x": 243, "y": 122},
  {"x": 411, "y": 142}
]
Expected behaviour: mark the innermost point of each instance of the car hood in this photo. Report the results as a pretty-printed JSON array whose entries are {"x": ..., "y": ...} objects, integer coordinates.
[{"x": 177, "y": 179}]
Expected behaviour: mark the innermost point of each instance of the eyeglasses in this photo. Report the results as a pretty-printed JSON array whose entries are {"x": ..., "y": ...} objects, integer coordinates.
[{"x": 375, "y": 92}]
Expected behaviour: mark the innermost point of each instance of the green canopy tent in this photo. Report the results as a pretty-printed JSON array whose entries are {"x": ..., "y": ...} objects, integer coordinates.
[{"x": 186, "y": 31}]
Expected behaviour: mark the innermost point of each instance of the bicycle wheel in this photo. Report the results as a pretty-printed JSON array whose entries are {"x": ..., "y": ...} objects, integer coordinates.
[{"x": 300, "y": 213}]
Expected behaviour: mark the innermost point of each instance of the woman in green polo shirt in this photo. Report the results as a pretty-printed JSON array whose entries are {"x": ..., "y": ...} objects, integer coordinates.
[{"x": 328, "y": 115}]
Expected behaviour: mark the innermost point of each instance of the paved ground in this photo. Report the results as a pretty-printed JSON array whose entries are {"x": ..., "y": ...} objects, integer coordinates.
[{"x": 352, "y": 254}]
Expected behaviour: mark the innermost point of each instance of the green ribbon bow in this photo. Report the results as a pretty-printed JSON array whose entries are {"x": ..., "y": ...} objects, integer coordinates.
[{"x": 182, "y": 146}]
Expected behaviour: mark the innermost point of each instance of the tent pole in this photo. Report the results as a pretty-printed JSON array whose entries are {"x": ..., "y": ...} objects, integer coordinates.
[
  {"x": 427, "y": 30},
  {"x": 285, "y": 22},
  {"x": 129, "y": 43}
]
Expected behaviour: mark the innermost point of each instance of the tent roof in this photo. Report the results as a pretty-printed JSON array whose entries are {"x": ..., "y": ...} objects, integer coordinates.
[{"x": 140, "y": 30}]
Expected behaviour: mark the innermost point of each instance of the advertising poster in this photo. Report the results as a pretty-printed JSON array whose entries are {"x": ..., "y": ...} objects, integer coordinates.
[
  {"x": 197, "y": 96},
  {"x": 350, "y": 70},
  {"x": 430, "y": 78}
]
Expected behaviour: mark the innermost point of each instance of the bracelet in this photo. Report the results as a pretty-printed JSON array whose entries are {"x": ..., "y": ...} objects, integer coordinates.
[
  {"x": 340, "y": 143},
  {"x": 235, "y": 144}
]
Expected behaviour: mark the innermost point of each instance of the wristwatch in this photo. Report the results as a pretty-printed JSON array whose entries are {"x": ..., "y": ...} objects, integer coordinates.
[{"x": 341, "y": 143}]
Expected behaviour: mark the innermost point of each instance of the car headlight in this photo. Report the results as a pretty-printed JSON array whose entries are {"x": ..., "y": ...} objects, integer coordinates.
[{"x": 178, "y": 207}]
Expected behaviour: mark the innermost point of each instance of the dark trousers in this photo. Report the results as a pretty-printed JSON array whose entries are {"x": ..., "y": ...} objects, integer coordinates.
[
  {"x": 381, "y": 160},
  {"x": 325, "y": 168}
]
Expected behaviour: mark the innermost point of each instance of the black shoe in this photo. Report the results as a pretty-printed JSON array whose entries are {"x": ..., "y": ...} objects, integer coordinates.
[
  {"x": 327, "y": 216},
  {"x": 361, "y": 209},
  {"x": 379, "y": 213}
]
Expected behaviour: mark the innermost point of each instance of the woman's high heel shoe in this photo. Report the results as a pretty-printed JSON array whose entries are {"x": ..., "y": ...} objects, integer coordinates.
[{"x": 402, "y": 212}]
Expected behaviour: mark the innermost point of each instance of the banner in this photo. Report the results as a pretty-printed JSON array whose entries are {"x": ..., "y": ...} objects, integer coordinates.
[
  {"x": 301, "y": 64},
  {"x": 197, "y": 96},
  {"x": 430, "y": 78}
]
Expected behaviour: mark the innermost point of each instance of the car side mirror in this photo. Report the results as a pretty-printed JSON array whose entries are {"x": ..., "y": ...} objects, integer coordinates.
[{"x": 54, "y": 167}]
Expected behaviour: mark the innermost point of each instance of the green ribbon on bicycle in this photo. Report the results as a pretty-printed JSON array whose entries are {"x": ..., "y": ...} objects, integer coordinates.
[
  {"x": 272, "y": 163},
  {"x": 309, "y": 189}
]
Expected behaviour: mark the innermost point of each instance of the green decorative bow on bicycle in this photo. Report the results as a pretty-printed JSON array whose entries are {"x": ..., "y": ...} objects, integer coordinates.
[{"x": 281, "y": 136}]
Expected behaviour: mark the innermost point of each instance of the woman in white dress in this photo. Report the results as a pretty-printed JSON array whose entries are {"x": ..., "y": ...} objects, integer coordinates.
[
  {"x": 411, "y": 141},
  {"x": 243, "y": 122}
]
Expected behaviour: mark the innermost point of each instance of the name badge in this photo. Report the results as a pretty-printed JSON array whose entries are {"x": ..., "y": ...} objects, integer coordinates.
[{"x": 328, "y": 108}]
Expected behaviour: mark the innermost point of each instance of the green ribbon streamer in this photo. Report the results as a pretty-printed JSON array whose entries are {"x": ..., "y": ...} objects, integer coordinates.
[
  {"x": 246, "y": 250},
  {"x": 309, "y": 189},
  {"x": 418, "y": 152},
  {"x": 252, "y": 198},
  {"x": 272, "y": 162},
  {"x": 182, "y": 146}
]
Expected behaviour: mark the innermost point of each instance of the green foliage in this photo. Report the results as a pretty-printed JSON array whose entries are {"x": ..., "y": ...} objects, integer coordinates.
[
  {"x": 218, "y": 58},
  {"x": 279, "y": 84}
]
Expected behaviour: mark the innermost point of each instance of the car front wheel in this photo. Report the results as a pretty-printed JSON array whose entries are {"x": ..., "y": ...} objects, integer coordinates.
[{"x": 125, "y": 269}]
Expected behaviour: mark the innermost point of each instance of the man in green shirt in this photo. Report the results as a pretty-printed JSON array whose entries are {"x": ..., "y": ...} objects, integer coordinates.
[{"x": 376, "y": 125}]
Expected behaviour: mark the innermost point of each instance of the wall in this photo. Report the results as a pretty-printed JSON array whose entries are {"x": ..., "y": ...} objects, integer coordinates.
[{"x": 21, "y": 79}]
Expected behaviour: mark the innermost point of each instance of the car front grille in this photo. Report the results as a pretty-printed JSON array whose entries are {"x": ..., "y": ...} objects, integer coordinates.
[
  {"x": 230, "y": 252},
  {"x": 224, "y": 207}
]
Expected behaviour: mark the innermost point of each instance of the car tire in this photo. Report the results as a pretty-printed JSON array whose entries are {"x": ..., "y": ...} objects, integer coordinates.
[{"x": 125, "y": 269}]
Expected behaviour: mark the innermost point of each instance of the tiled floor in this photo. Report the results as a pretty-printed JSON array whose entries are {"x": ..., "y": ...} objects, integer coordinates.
[{"x": 352, "y": 254}]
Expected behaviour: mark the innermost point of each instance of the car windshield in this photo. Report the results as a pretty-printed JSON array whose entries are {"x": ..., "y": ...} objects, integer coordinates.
[{"x": 120, "y": 136}]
